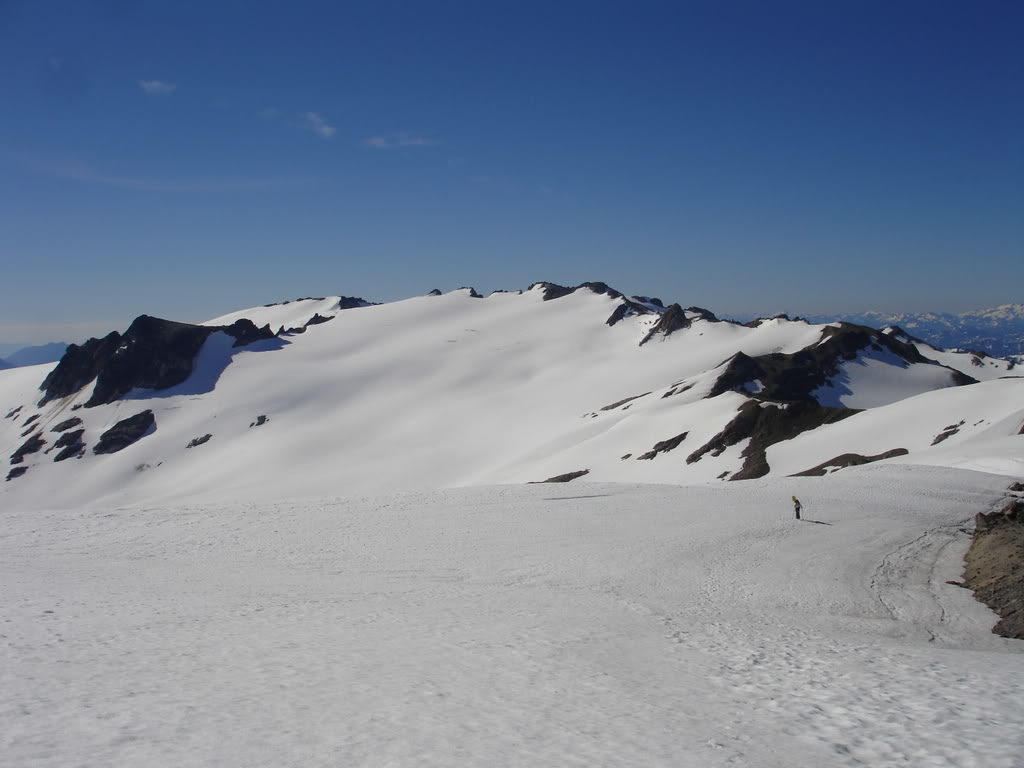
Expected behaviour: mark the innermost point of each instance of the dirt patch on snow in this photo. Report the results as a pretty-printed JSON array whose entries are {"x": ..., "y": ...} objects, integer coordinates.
[
  {"x": 663, "y": 447},
  {"x": 848, "y": 460},
  {"x": 995, "y": 566},
  {"x": 563, "y": 478}
]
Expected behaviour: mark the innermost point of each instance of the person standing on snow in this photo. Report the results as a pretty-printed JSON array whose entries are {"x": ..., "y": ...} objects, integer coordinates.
[{"x": 797, "y": 506}]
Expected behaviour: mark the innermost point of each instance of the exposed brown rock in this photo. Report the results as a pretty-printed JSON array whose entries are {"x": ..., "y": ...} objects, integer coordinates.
[
  {"x": 947, "y": 432},
  {"x": 995, "y": 566},
  {"x": 563, "y": 478},
  {"x": 663, "y": 447},
  {"x": 196, "y": 441},
  {"x": 849, "y": 460},
  {"x": 623, "y": 401}
]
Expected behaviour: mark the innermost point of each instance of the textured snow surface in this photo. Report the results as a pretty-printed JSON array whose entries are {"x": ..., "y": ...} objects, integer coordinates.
[{"x": 545, "y": 625}]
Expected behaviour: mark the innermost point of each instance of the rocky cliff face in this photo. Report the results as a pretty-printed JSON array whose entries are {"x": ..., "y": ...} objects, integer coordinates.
[{"x": 151, "y": 354}]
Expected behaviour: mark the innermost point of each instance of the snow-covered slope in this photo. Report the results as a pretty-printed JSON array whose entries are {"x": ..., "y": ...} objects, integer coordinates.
[
  {"x": 449, "y": 390},
  {"x": 975, "y": 427},
  {"x": 597, "y": 625},
  {"x": 211, "y": 554}
]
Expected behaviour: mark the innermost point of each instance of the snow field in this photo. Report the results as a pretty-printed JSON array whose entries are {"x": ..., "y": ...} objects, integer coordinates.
[{"x": 582, "y": 624}]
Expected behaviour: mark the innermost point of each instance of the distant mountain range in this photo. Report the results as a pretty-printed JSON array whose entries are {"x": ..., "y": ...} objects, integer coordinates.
[
  {"x": 44, "y": 353},
  {"x": 998, "y": 331}
]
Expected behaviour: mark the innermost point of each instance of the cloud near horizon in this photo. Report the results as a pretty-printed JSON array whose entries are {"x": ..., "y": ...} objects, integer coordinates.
[
  {"x": 157, "y": 87},
  {"x": 396, "y": 140},
  {"x": 318, "y": 125}
]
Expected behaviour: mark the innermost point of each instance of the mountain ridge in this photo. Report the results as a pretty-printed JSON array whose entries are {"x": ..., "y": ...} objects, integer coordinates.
[{"x": 460, "y": 389}]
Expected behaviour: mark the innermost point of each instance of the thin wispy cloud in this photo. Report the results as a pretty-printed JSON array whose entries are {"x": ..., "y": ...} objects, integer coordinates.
[
  {"x": 318, "y": 125},
  {"x": 83, "y": 172},
  {"x": 157, "y": 87},
  {"x": 397, "y": 141}
]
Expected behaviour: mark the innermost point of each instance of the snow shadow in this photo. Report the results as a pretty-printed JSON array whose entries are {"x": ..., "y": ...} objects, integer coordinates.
[
  {"x": 211, "y": 361},
  {"x": 841, "y": 385}
]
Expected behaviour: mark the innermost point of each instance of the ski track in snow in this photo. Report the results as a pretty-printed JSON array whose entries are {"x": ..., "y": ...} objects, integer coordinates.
[{"x": 580, "y": 625}]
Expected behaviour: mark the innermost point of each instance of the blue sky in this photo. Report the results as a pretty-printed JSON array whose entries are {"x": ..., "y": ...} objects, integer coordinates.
[{"x": 184, "y": 159}]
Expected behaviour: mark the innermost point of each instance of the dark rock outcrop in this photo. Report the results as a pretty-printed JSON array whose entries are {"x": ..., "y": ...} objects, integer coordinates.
[
  {"x": 13, "y": 413},
  {"x": 765, "y": 425},
  {"x": 995, "y": 566},
  {"x": 33, "y": 445},
  {"x": 849, "y": 460},
  {"x": 947, "y": 432},
  {"x": 435, "y": 292},
  {"x": 152, "y": 354},
  {"x": 663, "y": 447},
  {"x": 355, "y": 302},
  {"x": 318, "y": 319},
  {"x": 195, "y": 441},
  {"x": 30, "y": 419},
  {"x": 788, "y": 377},
  {"x": 563, "y": 478},
  {"x": 74, "y": 421},
  {"x": 71, "y": 445},
  {"x": 672, "y": 319},
  {"x": 623, "y": 401},
  {"x": 552, "y": 291},
  {"x": 260, "y": 421},
  {"x": 16, "y": 472},
  {"x": 626, "y": 308},
  {"x": 126, "y": 432}
]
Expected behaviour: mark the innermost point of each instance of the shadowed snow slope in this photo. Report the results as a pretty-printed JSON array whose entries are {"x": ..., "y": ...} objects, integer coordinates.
[
  {"x": 589, "y": 624},
  {"x": 456, "y": 390}
]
